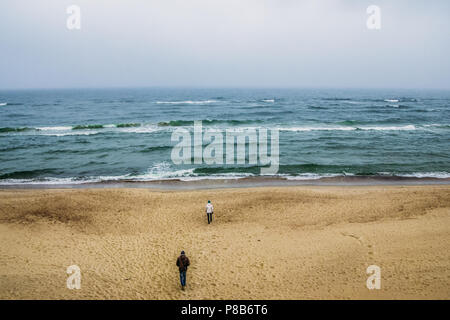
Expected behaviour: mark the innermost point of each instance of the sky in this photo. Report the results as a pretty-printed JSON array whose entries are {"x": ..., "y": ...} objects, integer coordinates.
[{"x": 224, "y": 43}]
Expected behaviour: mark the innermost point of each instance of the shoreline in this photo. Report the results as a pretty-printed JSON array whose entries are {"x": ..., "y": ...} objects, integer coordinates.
[{"x": 239, "y": 182}]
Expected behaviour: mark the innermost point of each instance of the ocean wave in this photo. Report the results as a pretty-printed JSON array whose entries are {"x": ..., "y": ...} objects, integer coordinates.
[
  {"x": 78, "y": 151},
  {"x": 183, "y": 123},
  {"x": 88, "y": 126},
  {"x": 357, "y": 123},
  {"x": 314, "y": 176},
  {"x": 317, "y": 107},
  {"x": 138, "y": 129},
  {"x": 65, "y": 130},
  {"x": 162, "y": 170},
  {"x": 391, "y": 100},
  {"x": 300, "y": 171},
  {"x": 187, "y": 102},
  {"x": 158, "y": 174},
  {"x": 92, "y": 129},
  {"x": 391, "y": 128},
  {"x": 437, "y": 125},
  {"x": 439, "y": 175},
  {"x": 13, "y": 148},
  {"x": 61, "y": 181},
  {"x": 8, "y": 129},
  {"x": 350, "y": 122},
  {"x": 63, "y": 134},
  {"x": 156, "y": 148},
  {"x": 58, "y": 128},
  {"x": 128, "y": 125},
  {"x": 13, "y": 103},
  {"x": 165, "y": 170},
  {"x": 46, "y": 181},
  {"x": 27, "y": 174},
  {"x": 2, "y": 104},
  {"x": 349, "y": 128},
  {"x": 336, "y": 99},
  {"x": 399, "y": 106},
  {"x": 284, "y": 170}
]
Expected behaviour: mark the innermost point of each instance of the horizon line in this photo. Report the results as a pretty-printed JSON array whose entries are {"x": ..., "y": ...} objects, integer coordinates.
[{"x": 198, "y": 87}]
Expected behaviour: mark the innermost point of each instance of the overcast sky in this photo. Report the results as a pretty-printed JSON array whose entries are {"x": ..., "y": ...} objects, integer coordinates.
[{"x": 232, "y": 43}]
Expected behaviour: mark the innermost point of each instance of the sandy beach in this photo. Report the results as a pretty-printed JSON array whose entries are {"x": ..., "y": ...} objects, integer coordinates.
[{"x": 299, "y": 242}]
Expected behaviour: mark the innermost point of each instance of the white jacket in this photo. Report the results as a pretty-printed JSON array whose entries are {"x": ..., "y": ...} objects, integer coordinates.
[{"x": 209, "y": 208}]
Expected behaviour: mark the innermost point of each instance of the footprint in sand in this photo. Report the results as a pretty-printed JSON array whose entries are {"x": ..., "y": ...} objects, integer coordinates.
[
  {"x": 370, "y": 247},
  {"x": 361, "y": 241}
]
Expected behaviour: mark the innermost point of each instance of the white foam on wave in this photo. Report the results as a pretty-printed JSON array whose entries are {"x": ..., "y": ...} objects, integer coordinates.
[
  {"x": 393, "y": 128},
  {"x": 3, "y": 103},
  {"x": 224, "y": 176},
  {"x": 187, "y": 102},
  {"x": 58, "y": 131},
  {"x": 63, "y": 181},
  {"x": 314, "y": 176},
  {"x": 220, "y": 176},
  {"x": 316, "y": 128},
  {"x": 150, "y": 128},
  {"x": 440, "y": 175},
  {"x": 391, "y": 100},
  {"x": 47, "y": 180},
  {"x": 162, "y": 171},
  {"x": 72, "y": 133},
  {"x": 68, "y": 128},
  {"x": 268, "y": 100},
  {"x": 437, "y": 125},
  {"x": 57, "y": 128},
  {"x": 61, "y": 131},
  {"x": 141, "y": 129},
  {"x": 377, "y": 128}
]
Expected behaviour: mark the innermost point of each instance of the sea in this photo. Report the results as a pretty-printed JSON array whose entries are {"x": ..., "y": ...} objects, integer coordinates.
[{"x": 78, "y": 136}]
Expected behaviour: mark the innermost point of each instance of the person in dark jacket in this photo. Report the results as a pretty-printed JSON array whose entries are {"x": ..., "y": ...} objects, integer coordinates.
[{"x": 182, "y": 264}]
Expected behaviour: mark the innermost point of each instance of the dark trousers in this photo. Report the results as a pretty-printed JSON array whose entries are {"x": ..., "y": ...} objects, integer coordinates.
[
  {"x": 209, "y": 217},
  {"x": 183, "y": 278}
]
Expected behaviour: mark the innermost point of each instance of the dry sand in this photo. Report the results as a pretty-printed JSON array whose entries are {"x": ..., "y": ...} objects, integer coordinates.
[{"x": 265, "y": 243}]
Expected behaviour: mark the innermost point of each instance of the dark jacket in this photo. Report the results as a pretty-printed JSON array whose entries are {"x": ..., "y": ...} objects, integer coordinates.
[{"x": 183, "y": 263}]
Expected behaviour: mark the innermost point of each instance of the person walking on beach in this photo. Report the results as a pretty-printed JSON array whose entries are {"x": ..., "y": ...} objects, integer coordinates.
[
  {"x": 182, "y": 264},
  {"x": 209, "y": 211}
]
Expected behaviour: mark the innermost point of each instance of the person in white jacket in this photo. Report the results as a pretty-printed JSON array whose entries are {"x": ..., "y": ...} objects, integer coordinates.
[{"x": 209, "y": 211}]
